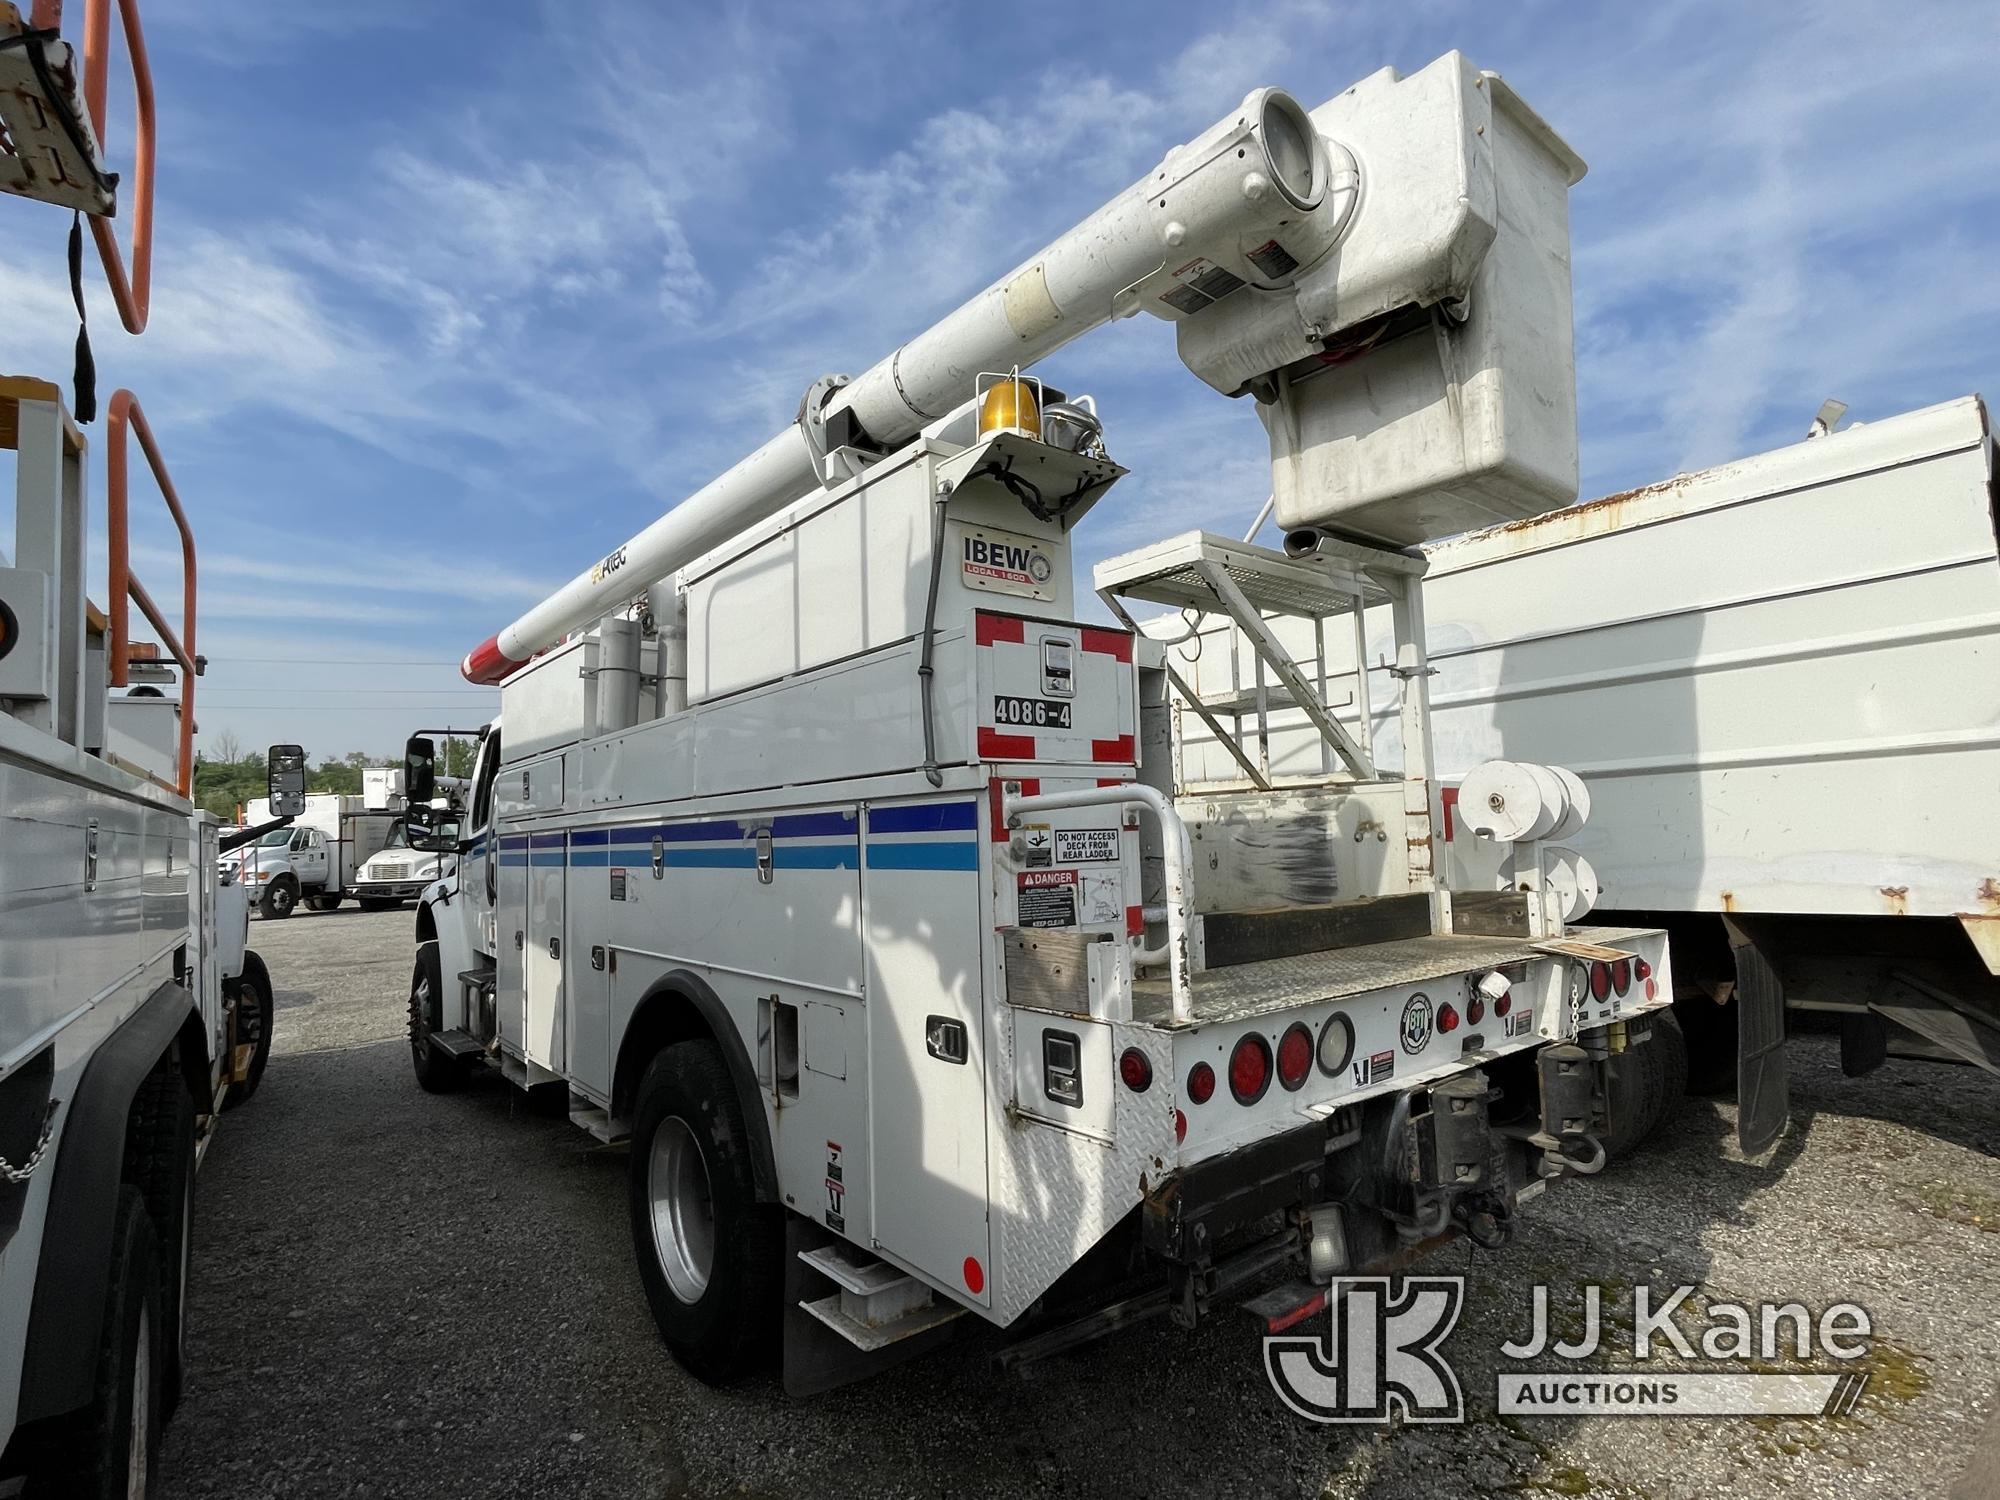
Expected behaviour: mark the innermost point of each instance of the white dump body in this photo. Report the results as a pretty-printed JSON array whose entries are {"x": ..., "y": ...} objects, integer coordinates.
[{"x": 1779, "y": 677}]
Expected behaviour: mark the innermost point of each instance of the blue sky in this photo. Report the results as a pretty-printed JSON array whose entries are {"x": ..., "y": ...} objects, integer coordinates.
[{"x": 450, "y": 298}]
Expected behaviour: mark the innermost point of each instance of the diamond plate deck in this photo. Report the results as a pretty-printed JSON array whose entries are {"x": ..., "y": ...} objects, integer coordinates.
[{"x": 1285, "y": 983}]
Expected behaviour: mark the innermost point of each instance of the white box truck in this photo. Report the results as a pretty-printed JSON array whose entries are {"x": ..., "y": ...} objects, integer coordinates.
[{"x": 317, "y": 858}]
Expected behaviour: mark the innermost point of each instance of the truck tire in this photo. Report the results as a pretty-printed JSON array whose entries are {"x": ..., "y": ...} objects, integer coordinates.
[
  {"x": 438, "y": 1072},
  {"x": 1646, "y": 1082},
  {"x": 159, "y": 1162},
  {"x": 111, "y": 1448},
  {"x": 711, "y": 1257},
  {"x": 278, "y": 900},
  {"x": 324, "y": 903},
  {"x": 1673, "y": 1062},
  {"x": 256, "y": 1019},
  {"x": 1712, "y": 1043}
]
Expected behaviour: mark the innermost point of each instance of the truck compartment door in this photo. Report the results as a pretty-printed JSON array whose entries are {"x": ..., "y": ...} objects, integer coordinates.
[
  {"x": 927, "y": 1039},
  {"x": 511, "y": 939},
  {"x": 544, "y": 954}
]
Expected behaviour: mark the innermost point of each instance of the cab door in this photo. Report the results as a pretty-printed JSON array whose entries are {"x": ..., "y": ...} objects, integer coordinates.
[{"x": 309, "y": 857}]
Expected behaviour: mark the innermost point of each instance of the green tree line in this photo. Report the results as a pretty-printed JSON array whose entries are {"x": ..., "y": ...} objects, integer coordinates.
[{"x": 230, "y": 777}]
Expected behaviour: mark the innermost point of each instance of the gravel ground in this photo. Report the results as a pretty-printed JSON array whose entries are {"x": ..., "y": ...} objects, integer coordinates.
[{"x": 396, "y": 1294}]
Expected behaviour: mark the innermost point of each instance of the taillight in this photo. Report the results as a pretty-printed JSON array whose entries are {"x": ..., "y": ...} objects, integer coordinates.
[
  {"x": 1136, "y": 1069},
  {"x": 1336, "y": 1045},
  {"x": 1447, "y": 1017},
  {"x": 1295, "y": 1056},
  {"x": 1201, "y": 1083},
  {"x": 1641, "y": 969},
  {"x": 1250, "y": 1069},
  {"x": 1504, "y": 1004},
  {"x": 1475, "y": 1009},
  {"x": 1600, "y": 980},
  {"x": 1180, "y": 1124},
  {"x": 1621, "y": 976}
]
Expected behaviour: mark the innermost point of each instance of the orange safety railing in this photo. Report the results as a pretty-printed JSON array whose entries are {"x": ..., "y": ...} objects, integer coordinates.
[
  {"x": 124, "y": 411},
  {"x": 134, "y": 296}
]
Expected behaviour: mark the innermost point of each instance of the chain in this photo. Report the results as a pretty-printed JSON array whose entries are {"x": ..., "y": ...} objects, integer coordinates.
[{"x": 22, "y": 1173}]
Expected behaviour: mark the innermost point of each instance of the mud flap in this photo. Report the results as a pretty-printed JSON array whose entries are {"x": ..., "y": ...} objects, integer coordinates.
[
  {"x": 1763, "y": 1084},
  {"x": 816, "y": 1358}
]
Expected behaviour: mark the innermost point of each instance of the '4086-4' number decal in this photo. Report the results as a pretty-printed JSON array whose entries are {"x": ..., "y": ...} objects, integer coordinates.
[{"x": 1037, "y": 713}]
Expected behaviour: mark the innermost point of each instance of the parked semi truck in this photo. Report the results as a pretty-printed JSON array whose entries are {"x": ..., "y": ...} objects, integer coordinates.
[
  {"x": 1779, "y": 677},
  {"x": 131, "y": 1012},
  {"x": 824, "y": 856}
]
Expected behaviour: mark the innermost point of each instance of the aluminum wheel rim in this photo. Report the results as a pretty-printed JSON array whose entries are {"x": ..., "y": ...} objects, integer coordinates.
[
  {"x": 142, "y": 1395},
  {"x": 682, "y": 1208}
]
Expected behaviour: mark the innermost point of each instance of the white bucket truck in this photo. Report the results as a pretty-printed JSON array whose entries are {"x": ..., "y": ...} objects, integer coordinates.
[
  {"x": 130, "y": 1011},
  {"x": 825, "y": 855}
]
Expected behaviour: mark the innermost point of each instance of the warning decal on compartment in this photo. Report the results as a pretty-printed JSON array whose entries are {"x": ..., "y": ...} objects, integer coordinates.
[
  {"x": 1045, "y": 898},
  {"x": 1374, "y": 1068},
  {"x": 1005, "y": 562},
  {"x": 1086, "y": 846}
]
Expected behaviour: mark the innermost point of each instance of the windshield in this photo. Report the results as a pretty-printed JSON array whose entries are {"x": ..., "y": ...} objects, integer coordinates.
[
  {"x": 399, "y": 836},
  {"x": 277, "y": 838}
]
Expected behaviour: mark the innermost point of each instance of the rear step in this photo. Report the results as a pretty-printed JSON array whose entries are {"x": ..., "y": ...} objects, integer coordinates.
[
  {"x": 587, "y": 1116},
  {"x": 877, "y": 1305}
]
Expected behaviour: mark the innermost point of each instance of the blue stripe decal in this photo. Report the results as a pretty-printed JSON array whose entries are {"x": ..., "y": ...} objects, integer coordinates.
[
  {"x": 550, "y": 859},
  {"x": 548, "y": 841},
  {"x": 813, "y": 826},
  {"x": 925, "y": 817},
  {"x": 740, "y": 857},
  {"x": 955, "y": 855}
]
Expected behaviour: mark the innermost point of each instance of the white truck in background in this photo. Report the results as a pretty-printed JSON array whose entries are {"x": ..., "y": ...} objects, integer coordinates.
[
  {"x": 317, "y": 858},
  {"x": 1780, "y": 678},
  {"x": 822, "y": 854},
  {"x": 396, "y": 873}
]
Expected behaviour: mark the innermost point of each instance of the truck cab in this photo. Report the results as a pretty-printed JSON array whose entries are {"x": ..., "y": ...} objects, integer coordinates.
[{"x": 281, "y": 868}]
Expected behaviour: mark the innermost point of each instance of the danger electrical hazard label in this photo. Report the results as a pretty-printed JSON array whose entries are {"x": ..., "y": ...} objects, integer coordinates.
[{"x": 1045, "y": 898}]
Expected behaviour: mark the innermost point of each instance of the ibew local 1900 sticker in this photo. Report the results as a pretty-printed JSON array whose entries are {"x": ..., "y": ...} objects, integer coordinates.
[
  {"x": 1416, "y": 1028},
  {"x": 1005, "y": 562}
]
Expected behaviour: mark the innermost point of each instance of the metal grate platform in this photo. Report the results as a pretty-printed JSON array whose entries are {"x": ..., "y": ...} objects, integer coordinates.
[
  {"x": 1173, "y": 573},
  {"x": 1275, "y": 984}
]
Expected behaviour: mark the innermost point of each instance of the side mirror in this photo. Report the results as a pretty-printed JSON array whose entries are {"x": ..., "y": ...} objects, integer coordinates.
[
  {"x": 419, "y": 773},
  {"x": 285, "y": 783},
  {"x": 431, "y": 829}
]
